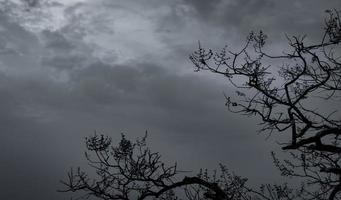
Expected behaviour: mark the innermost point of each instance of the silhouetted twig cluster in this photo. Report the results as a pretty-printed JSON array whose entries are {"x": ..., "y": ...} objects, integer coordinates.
[{"x": 131, "y": 171}]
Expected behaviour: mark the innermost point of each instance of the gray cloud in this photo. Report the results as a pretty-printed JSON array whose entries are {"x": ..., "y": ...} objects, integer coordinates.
[
  {"x": 59, "y": 85},
  {"x": 204, "y": 9},
  {"x": 275, "y": 18}
]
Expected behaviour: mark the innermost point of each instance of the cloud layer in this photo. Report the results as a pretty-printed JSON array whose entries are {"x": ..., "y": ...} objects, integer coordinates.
[{"x": 68, "y": 68}]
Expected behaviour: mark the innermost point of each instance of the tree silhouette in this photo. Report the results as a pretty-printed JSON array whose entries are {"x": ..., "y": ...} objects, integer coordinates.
[
  {"x": 131, "y": 170},
  {"x": 285, "y": 98}
]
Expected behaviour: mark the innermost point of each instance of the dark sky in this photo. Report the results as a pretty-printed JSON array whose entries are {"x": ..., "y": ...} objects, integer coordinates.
[{"x": 72, "y": 67}]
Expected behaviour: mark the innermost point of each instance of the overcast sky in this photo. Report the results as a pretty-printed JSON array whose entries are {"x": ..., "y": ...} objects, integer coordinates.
[{"x": 72, "y": 67}]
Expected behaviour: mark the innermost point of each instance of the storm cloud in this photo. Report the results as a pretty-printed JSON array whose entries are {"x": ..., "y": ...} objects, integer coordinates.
[{"x": 69, "y": 68}]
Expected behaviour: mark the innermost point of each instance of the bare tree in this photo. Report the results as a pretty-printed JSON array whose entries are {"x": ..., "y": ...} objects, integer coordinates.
[
  {"x": 287, "y": 99},
  {"x": 132, "y": 171}
]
